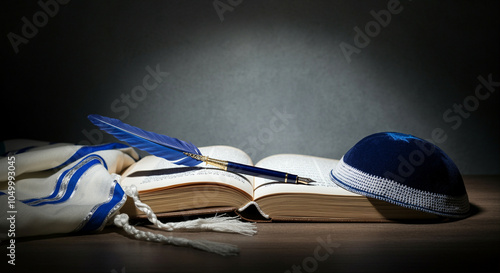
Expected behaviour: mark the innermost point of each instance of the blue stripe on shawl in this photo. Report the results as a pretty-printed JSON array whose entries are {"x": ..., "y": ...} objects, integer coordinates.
[
  {"x": 66, "y": 189},
  {"x": 101, "y": 214}
]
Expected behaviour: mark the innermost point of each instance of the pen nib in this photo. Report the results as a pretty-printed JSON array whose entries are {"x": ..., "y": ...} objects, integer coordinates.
[{"x": 303, "y": 180}]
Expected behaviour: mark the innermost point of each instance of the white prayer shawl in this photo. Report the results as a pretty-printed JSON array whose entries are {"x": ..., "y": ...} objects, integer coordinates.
[
  {"x": 62, "y": 188},
  {"x": 65, "y": 188}
]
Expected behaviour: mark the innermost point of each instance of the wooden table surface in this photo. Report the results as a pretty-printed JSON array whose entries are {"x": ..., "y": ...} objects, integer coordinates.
[{"x": 469, "y": 245}]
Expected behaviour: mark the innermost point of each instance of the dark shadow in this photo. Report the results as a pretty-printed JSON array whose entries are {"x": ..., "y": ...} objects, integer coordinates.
[
  {"x": 185, "y": 215},
  {"x": 404, "y": 215},
  {"x": 164, "y": 171},
  {"x": 106, "y": 230}
]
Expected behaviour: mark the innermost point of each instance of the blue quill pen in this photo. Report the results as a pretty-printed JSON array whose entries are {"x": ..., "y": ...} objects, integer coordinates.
[
  {"x": 162, "y": 146},
  {"x": 181, "y": 152}
]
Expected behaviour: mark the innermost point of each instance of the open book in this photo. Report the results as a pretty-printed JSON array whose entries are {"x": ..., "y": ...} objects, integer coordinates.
[{"x": 173, "y": 190}]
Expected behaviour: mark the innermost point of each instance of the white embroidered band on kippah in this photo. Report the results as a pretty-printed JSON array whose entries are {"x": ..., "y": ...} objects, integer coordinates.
[{"x": 393, "y": 192}]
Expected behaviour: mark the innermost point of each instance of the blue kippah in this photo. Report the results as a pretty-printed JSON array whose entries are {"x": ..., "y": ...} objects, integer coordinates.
[{"x": 404, "y": 170}]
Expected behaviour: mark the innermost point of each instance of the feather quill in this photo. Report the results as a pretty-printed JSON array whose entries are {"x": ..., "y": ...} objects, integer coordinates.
[{"x": 162, "y": 146}]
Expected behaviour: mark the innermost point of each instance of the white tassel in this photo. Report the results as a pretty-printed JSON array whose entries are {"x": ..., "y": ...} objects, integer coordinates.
[
  {"x": 217, "y": 223},
  {"x": 121, "y": 220}
]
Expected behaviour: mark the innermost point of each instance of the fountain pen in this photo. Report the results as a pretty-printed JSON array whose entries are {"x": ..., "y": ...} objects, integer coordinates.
[{"x": 252, "y": 170}]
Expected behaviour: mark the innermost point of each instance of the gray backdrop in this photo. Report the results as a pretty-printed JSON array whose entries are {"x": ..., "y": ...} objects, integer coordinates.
[{"x": 308, "y": 77}]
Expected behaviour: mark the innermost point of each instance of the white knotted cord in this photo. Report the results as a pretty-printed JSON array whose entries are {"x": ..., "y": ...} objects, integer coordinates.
[
  {"x": 121, "y": 220},
  {"x": 217, "y": 223}
]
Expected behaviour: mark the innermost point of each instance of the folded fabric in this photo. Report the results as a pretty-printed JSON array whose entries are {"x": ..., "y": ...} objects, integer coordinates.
[{"x": 61, "y": 188}]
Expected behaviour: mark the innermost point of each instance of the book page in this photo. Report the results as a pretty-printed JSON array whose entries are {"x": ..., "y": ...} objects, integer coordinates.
[
  {"x": 153, "y": 173},
  {"x": 316, "y": 168},
  {"x": 226, "y": 153}
]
